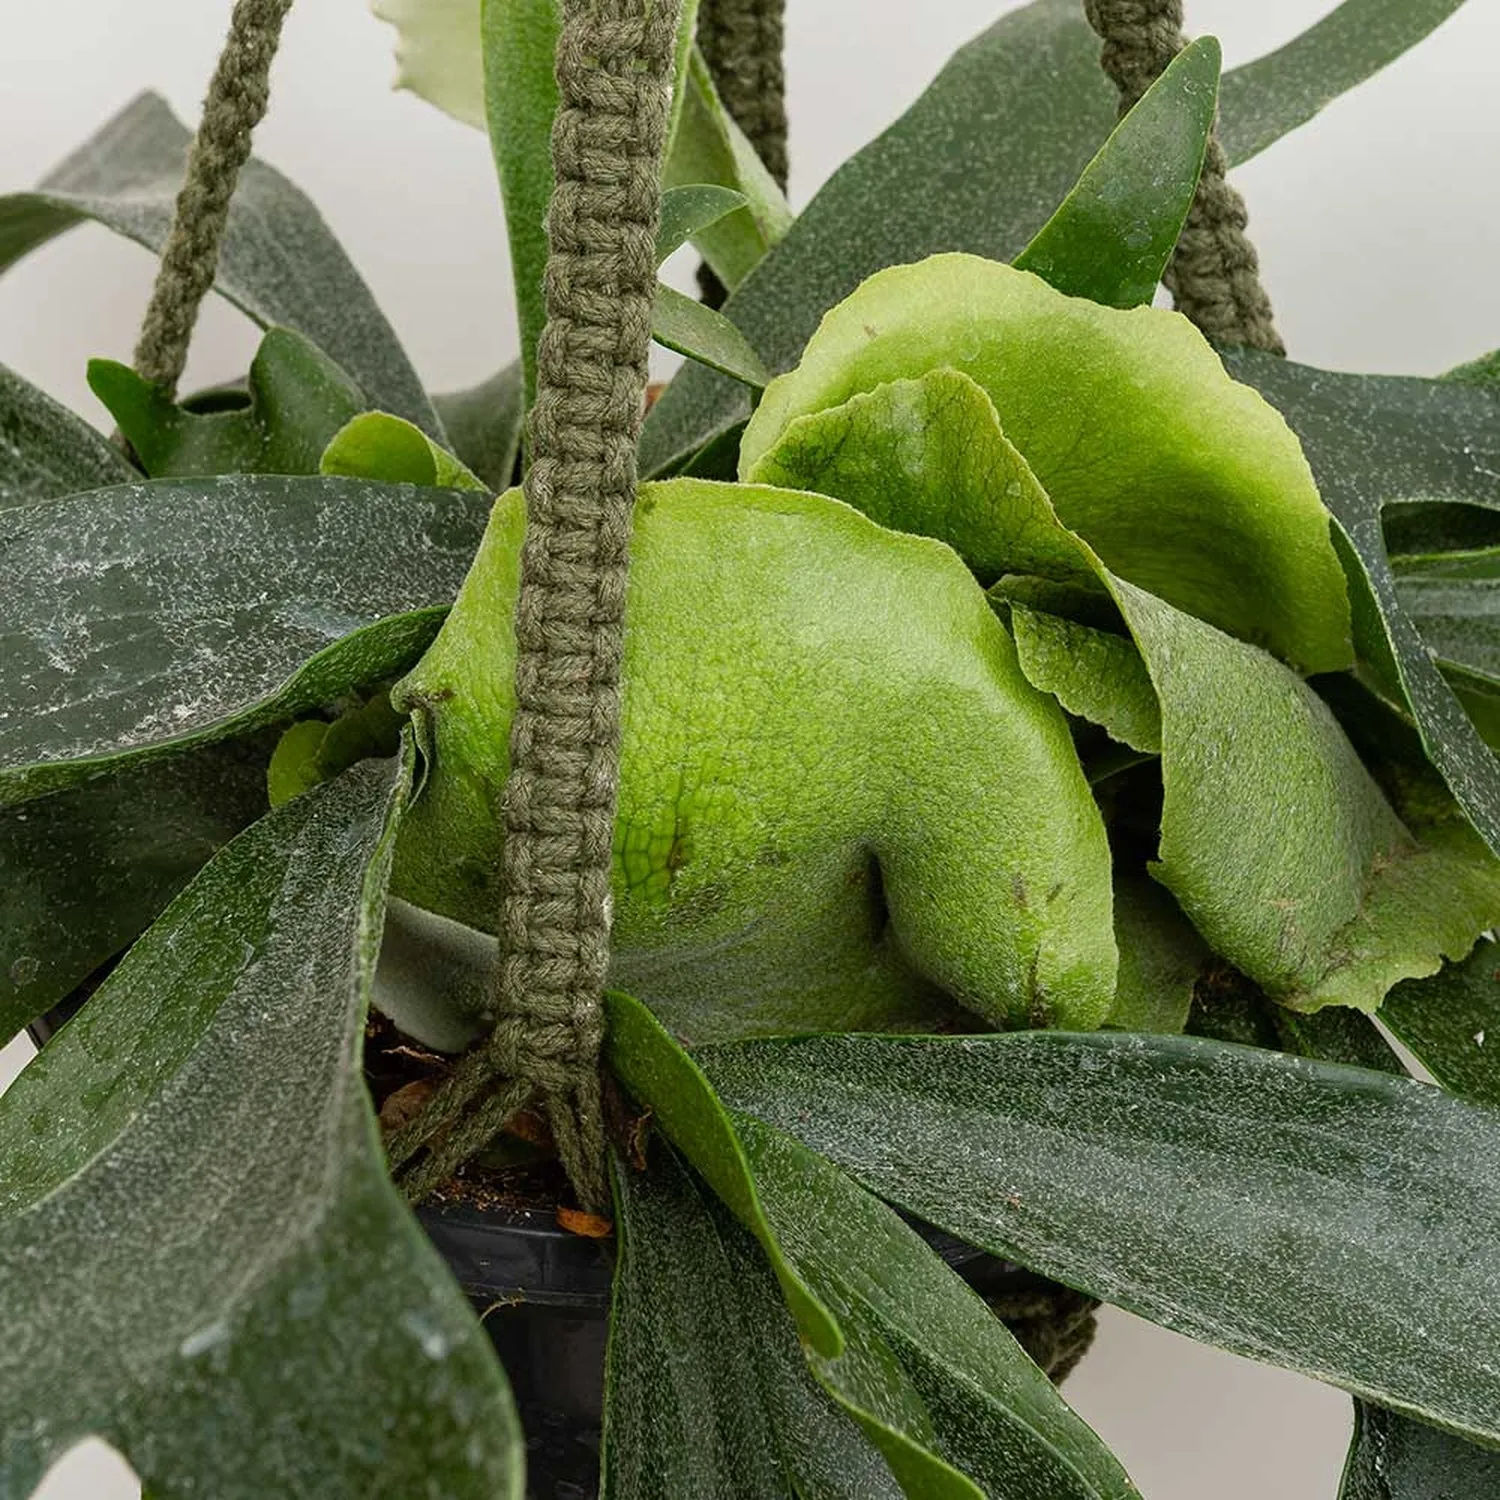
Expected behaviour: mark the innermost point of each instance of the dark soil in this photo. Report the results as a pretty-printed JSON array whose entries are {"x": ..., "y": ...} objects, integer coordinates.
[{"x": 520, "y": 1171}]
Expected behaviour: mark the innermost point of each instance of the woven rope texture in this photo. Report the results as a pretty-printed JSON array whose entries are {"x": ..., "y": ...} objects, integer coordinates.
[{"x": 234, "y": 105}]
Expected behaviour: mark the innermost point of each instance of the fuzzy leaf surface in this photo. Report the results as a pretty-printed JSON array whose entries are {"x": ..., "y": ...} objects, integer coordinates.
[
  {"x": 1326, "y": 884},
  {"x": 1280, "y": 847},
  {"x": 1112, "y": 412},
  {"x": 1270, "y": 97},
  {"x": 438, "y": 53},
  {"x": 150, "y": 615},
  {"x": 1161, "y": 958},
  {"x": 664, "y": 1078},
  {"x": 464, "y": 56},
  {"x": 858, "y": 1370},
  {"x": 1482, "y": 371},
  {"x": 279, "y": 263},
  {"x": 929, "y": 1372},
  {"x": 484, "y": 425},
  {"x": 704, "y": 335},
  {"x": 376, "y": 445},
  {"x": 363, "y": 731},
  {"x": 1454, "y": 601},
  {"x": 935, "y": 1381},
  {"x": 1391, "y": 1457},
  {"x": 707, "y": 1390},
  {"x": 994, "y": 114},
  {"x": 298, "y": 399},
  {"x": 85, "y": 870},
  {"x": 198, "y": 1239},
  {"x": 1372, "y": 441},
  {"x": 688, "y": 210},
  {"x": 1395, "y": 1458},
  {"x": 927, "y": 455},
  {"x": 1024, "y": 104},
  {"x": 47, "y": 452},
  {"x": 519, "y": 44},
  {"x": 1325, "y": 1219},
  {"x": 1279, "y": 843},
  {"x": 1095, "y": 674},
  {"x": 1451, "y": 1021},
  {"x": 709, "y": 147}
]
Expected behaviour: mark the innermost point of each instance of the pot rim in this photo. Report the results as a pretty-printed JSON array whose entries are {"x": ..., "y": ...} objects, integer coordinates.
[{"x": 511, "y": 1254}]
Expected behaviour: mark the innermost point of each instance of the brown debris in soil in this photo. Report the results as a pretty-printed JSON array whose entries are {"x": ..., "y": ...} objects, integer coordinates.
[
  {"x": 590, "y": 1226},
  {"x": 626, "y": 1124},
  {"x": 520, "y": 1171},
  {"x": 403, "y": 1105},
  {"x": 640, "y": 1134},
  {"x": 538, "y": 1187},
  {"x": 393, "y": 1060},
  {"x": 531, "y": 1125}
]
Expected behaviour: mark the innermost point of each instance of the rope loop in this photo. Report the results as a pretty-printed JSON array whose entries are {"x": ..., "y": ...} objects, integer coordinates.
[
  {"x": 1055, "y": 1325},
  {"x": 1214, "y": 276},
  {"x": 1140, "y": 38}
]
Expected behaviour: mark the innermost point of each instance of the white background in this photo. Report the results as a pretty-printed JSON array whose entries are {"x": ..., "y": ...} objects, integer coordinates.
[{"x": 1379, "y": 232}]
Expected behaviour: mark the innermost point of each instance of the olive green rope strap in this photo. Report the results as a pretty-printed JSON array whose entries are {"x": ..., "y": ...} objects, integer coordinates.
[
  {"x": 744, "y": 43},
  {"x": 1214, "y": 276},
  {"x": 614, "y": 70},
  {"x": 232, "y": 108},
  {"x": 1054, "y": 1324}
]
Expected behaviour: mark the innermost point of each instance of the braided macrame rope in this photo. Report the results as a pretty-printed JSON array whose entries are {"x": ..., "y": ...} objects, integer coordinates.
[
  {"x": 1054, "y": 1324},
  {"x": 744, "y": 42},
  {"x": 1214, "y": 276},
  {"x": 614, "y": 69},
  {"x": 232, "y": 108}
]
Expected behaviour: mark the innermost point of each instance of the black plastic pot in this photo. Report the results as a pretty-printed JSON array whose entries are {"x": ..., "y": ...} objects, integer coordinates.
[{"x": 543, "y": 1296}]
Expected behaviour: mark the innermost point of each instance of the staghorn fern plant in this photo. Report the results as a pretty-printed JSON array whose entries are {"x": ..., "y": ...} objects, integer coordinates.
[{"x": 1049, "y": 744}]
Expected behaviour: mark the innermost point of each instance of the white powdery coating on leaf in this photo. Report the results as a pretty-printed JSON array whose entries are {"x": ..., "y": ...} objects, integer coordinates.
[{"x": 143, "y": 614}]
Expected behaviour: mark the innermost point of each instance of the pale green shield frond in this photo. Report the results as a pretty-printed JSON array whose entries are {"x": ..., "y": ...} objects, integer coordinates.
[
  {"x": 437, "y": 53},
  {"x": 841, "y": 803},
  {"x": 1182, "y": 480},
  {"x": 1277, "y": 842}
]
